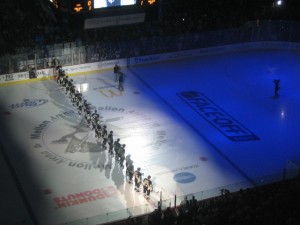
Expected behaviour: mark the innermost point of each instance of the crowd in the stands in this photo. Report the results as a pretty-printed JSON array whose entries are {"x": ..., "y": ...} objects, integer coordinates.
[
  {"x": 272, "y": 204},
  {"x": 26, "y": 27},
  {"x": 25, "y": 24}
]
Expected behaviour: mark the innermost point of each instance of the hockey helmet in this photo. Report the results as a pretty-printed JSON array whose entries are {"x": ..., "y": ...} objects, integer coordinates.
[
  {"x": 149, "y": 177},
  {"x": 139, "y": 168}
]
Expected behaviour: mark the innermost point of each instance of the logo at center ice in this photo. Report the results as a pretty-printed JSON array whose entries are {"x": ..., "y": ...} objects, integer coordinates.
[{"x": 65, "y": 138}]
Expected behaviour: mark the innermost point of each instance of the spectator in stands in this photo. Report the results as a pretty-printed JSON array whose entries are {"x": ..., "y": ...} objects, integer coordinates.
[
  {"x": 184, "y": 204},
  {"x": 155, "y": 217},
  {"x": 169, "y": 217}
]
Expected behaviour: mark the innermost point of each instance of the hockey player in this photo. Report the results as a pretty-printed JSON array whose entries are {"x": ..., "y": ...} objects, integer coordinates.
[
  {"x": 116, "y": 72},
  {"x": 72, "y": 93},
  {"x": 129, "y": 168},
  {"x": 117, "y": 145},
  {"x": 104, "y": 136},
  {"x": 56, "y": 66},
  {"x": 32, "y": 73},
  {"x": 81, "y": 102},
  {"x": 61, "y": 74},
  {"x": 128, "y": 160},
  {"x": 277, "y": 87},
  {"x": 87, "y": 112},
  {"x": 78, "y": 99},
  {"x": 147, "y": 187},
  {"x": 130, "y": 172},
  {"x": 88, "y": 116},
  {"x": 65, "y": 81},
  {"x": 98, "y": 132},
  {"x": 121, "y": 82},
  {"x": 110, "y": 141},
  {"x": 122, "y": 155},
  {"x": 85, "y": 106},
  {"x": 137, "y": 179},
  {"x": 121, "y": 161},
  {"x": 95, "y": 119},
  {"x": 69, "y": 84}
]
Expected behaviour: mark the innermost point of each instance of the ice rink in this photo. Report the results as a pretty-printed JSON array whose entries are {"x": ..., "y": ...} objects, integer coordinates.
[{"x": 193, "y": 125}]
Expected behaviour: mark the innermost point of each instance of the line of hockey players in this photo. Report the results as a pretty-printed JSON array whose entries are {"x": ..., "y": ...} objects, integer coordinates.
[{"x": 103, "y": 137}]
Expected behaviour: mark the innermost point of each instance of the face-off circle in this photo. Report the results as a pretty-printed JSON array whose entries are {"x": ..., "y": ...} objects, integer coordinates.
[
  {"x": 47, "y": 191},
  {"x": 203, "y": 158}
]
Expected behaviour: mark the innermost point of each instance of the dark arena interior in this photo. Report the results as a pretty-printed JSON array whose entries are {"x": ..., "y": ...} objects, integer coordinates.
[{"x": 150, "y": 112}]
